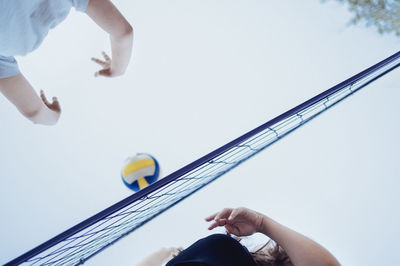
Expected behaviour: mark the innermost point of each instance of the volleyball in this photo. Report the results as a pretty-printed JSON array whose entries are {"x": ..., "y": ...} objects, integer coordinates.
[{"x": 139, "y": 171}]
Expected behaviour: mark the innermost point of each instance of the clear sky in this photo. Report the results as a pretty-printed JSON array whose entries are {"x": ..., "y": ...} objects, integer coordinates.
[{"x": 203, "y": 73}]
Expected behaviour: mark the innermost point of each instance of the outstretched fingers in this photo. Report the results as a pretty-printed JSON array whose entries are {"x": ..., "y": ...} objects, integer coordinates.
[
  {"x": 218, "y": 222},
  {"x": 98, "y": 61},
  {"x": 101, "y": 62},
  {"x": 106, "y": 57},
  {"x": 225, "y": 213},
  {"x": 44, "y": 99},
  {"x": 106, "y": 65},
  {"x": 54, "y": 105},
  {"x": 211, "y": 217}
]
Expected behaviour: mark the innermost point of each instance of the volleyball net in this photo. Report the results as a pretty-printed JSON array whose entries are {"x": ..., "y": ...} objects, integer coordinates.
[{"x": 91, "y": 236}]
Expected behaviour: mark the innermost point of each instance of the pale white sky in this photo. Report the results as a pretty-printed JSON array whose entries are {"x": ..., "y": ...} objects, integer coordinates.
[{"x": 203, "y": 73}]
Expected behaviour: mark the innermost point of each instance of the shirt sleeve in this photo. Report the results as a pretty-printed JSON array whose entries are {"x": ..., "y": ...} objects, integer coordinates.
[
  {"x": 8, "y": 66},
  {"x": 80, "y": 5}
]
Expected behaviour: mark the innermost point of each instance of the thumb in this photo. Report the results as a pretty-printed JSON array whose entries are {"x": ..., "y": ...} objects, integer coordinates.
[
  {"x": 104, "y": 72},
  {"x": 55, "y": 105},
  {"x": 43, "y": 97}
]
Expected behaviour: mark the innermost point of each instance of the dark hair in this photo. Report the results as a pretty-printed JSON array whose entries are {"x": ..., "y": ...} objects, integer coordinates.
[{"x": 271, "y": 254}]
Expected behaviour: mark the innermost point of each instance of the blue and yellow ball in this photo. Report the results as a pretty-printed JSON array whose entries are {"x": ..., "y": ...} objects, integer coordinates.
[{"x": 139, "y": 171}]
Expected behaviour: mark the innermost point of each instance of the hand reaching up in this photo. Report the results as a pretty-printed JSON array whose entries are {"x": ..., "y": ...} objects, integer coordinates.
[
  {"x": 239, "y": 221},
  {"x": 108, "y": 17},
  {"x": 106, "y": 64},
  {"x": 54, "y": 106}
]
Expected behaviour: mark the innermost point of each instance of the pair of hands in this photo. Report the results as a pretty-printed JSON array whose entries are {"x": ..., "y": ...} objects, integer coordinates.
[{"x": 106, "y": 71}]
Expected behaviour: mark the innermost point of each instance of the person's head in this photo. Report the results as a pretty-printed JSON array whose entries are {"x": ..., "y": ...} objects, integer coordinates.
[{"x": 270, "y": 254}]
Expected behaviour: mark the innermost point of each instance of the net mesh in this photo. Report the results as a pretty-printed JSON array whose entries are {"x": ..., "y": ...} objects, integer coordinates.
[{"x": 76, "y": 248}]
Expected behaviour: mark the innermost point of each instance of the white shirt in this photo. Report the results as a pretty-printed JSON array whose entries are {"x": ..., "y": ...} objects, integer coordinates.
[{"x": 25, "y": 23}]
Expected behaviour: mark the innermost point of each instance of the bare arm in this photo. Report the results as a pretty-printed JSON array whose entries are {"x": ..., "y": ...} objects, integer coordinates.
[
  {"x": 301, "y": 250},
  {"x": 107, "y": 16},
  {"x": 18, "y": 91}
]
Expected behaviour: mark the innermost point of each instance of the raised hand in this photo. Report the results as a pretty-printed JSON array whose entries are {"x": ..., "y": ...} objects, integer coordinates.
[
  {"x": 239, "y": 221},
  {"x": 53, "y": 106},
  {"x": 106, "y": 64}
]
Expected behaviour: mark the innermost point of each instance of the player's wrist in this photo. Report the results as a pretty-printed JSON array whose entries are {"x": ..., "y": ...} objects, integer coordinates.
[
  {"x": 262, "y": 225},
  {"x": 116, "y": 70},
  {"x": 45, "y": 116}
]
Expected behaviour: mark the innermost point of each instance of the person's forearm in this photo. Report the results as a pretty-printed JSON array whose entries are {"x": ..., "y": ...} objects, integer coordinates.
[
  {"x": 121, "y": 48},
  {"x": 108, "y": 17},
  {"x": 18, "y": 91},
  {"x": 300, "y": 249}
]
